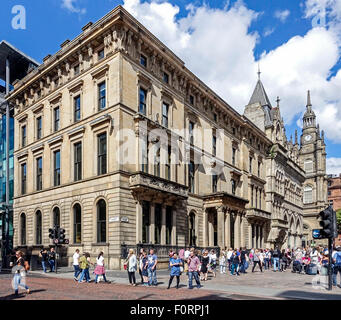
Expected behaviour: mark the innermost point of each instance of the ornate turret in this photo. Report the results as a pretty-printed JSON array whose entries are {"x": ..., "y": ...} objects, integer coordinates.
[{"x": 309, "y": 118}]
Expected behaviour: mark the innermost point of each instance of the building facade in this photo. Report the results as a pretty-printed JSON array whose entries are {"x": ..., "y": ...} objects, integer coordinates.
[
  {"x": 120, "y": 144},
  {"x": 334, "y": 191}
]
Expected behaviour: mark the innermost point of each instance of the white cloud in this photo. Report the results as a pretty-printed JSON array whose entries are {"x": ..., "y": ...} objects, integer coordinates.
[
  {"x": 70, "y": 6},
  {"x": 217, "y": 46},
  {"x": 268, "y": 31},
  {"x": 334, "y": 166},
  {"x": 282, "y": 15}
]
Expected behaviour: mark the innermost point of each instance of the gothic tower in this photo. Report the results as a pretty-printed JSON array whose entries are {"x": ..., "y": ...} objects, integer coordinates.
[{"x": 312, "y": 156}]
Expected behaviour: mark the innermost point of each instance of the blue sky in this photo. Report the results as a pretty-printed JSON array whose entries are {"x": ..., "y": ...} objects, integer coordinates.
[{"x": 274, "y": 32}]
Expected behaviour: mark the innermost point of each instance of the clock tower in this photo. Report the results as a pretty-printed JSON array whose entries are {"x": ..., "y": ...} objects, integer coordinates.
[{"x": 312, "y": 156}]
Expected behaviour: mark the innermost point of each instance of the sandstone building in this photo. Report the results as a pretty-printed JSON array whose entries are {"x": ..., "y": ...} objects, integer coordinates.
[{"x": 120, "y": 144}]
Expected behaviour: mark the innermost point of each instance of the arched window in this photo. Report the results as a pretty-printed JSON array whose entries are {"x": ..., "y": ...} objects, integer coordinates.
[
  {"x": 308, "y": 166},
  {"x": 38, "y": 227},
  {"x": 23, "y": 228},
  {"x": 77, "y": 223},
  {"x": 56, "y": 216},
  {"x": 101, "y": 221},
  {"x": 308, "y": 195},
  {"x": 192, "y": 236}
]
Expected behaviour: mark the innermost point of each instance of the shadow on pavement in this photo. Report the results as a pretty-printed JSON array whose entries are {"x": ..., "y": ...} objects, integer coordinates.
[
  {"x": 21, "y": 295},
  {"x": 301, "y": 295}
]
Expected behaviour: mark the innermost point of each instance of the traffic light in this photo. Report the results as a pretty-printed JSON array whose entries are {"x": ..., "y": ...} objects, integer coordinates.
[
  {"x": 52, "y": 233},
  {"x": 328, "y": 223},
  {"x": 61, "y": 235}
]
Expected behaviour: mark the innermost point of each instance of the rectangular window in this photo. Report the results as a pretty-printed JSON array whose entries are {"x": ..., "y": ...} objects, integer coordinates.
[
  {"x": 234, "y": 156},
  {"x": 250, "y": 164},
  {"x": 39, "y": 123},
  {"x": 165, "y": 77},
  {"x": 191, "y": 100},
  {"x": 142, "y": 102},
  {"x": 102, "y": 154},
  {"x": 214, "y": 146},
  {"x": 76, "y": 70},
  {"x": 23, "y": 178},
  {"x": 39, "y": 175},
  {"x": 56, "y": 168},
  {"x": 259, "y": 166},
  {"x": 214, "y": 183},
  {"x": 251, "y": 196},
  {"x": 100, "y": 54},
  {"x": 191, "y": 176},
  {"x": 56, "y": 117},
  {"x": 143, "y": 61},
  {"x": 144, "y": 155},
  {"x": 165, "y": 108},
  {"x": 78, "y": 161},
  {"x": 101, "y": 96},
  {"x": 233, "y": 184},
  {"x": 191, "y": 130},
  {"x": 77, "y": 108},
  {"x": 215, "y": 117},
  {"x": 168, "y": 164},
  {"x": 158, "y": 223},
  {"x": 145, "y": 221},
  {"x": 23, "y": 136}
]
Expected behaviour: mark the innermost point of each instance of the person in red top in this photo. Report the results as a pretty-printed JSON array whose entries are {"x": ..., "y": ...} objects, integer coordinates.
[
  {"x": 306, "y": 262},
  {"x": 193, "y": 270}
]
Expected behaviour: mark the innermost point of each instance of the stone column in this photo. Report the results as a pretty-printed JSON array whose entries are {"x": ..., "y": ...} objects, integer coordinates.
[
  {"x": 258, "y": 236},
  {"x": 228, "y": 229},
  {"x": 163, "y": 226},
  {"x": 205, "y": 226},
  {"x": 254, "y": 238},
  {"x": 173, "y": 240},
  {"x": 152, "y": 223},
  {"x": 237, "y": 231},
  {"x": 242, "y": 231},
  {"x": 210, "y": 233},
  {"x": 138, "y": 220},
  {"x": 250, "y": 228},
  {"x": 221, "y": 227}
]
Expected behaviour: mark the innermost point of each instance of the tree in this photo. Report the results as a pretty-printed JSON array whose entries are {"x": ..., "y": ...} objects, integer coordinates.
[{"x": 338, "y": 220}]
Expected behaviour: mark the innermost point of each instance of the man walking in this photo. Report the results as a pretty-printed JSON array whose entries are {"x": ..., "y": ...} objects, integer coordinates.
[
  {"x": 193, "y": 268},
  {"x": 276, "y": 255},
  {"x": 76, "y": 264},
  {"x": 44, "y": 259},
  {"x": 337, "y": 265},
  {"x": 152, "y": 262},
  {"x": 52, "y": 259}
]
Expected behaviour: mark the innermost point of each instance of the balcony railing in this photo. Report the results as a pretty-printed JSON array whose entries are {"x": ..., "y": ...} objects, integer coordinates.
[{"x": 258, "y": 213}]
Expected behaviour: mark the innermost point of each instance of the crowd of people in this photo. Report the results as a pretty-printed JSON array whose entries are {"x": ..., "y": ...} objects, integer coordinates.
[{"x": 194, "y": 263}]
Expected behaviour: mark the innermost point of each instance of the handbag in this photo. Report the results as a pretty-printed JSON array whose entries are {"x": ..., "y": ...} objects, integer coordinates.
[{"x": 181, "y": 269}]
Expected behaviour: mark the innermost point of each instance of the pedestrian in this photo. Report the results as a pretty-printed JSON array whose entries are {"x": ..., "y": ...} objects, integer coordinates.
[
  {"x": 204, "y": 266},
  {"x": 44, "y": 259},
  {"x": 222, "y": 262},
  {"x": 276, "y": 255},
  {"x": 257, "y": 260},
  {"x": 235, "y": 261},
  {"x": 144, "y": 268},
  {"x": 100, "y": 270},
  {"x": 175, "y": 264},
  {"x": 213, "y": 262},
  {"x": 20, "y": 270},
  {"x": 283, "y": 261},
  {"x": 266, "y": 259},
  {"x": 306, "y": 262},
  {"x": 84, "y": 266},
  {"x": 131, "y": 263},
  {"x": 337, "y": 265},
  {"x": 244, "y": 264},
  {"x": 152, "y": 263},
  {"x": 75, "y": 263},
  {"x": 193, "y": 269},
  {"x": 228, "y": 257},
  {"x": 186, "y": 256},
  {"x": 141, "y": 265},
  {"x": 52, "y": 259}
]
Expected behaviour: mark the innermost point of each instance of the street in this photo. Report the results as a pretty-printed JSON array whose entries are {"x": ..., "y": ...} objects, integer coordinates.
[{"x": 251, "y": 286}]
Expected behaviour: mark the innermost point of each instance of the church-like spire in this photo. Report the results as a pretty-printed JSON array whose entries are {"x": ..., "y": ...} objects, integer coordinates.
[
  {"x": 309, "y": 118},
  {"x": 296, "y": 137},
  {"x": 309, "y": 100}
]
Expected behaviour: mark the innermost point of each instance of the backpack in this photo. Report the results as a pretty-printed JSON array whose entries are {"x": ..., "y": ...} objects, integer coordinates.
[
  {"x": 338, "y": 259},
  {"x": 26, "y": 266}
]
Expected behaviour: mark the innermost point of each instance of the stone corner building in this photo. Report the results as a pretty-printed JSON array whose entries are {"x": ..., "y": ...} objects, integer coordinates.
[{"x": 72, "y": 166}]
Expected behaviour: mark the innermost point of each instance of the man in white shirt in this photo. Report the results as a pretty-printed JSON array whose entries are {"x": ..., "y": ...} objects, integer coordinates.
[
  {"x": 76, "y": 264},
  {"x": 186, "y": 256}
]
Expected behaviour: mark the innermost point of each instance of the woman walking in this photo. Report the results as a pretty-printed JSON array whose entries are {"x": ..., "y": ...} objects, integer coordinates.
[
  {"x": 99, "y": 270},
  {"x": 222, "y": 262},
  {"x": 144, "y": 268},
  {"x": 131, "y": 263},
  {"x": 84, "y": 265},
  {"x": 204, "y": 266},
  {"x": 213, "y": 262},
  {"x": 141, "y": 265},
  {"x": 175, "y": 264},
  {"x": 19, "y": 270},
  {"x": 257, "y": 260},
  {"x": 235, "y": 261}
]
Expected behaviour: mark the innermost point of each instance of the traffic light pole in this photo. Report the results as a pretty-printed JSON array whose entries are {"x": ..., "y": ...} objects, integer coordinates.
[
  {"x": 330, "y": 269},
  {"x": 55, "y": 262}
]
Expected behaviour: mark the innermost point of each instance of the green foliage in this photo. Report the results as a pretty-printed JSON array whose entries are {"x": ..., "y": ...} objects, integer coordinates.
[{"x": 338, "y": 219}]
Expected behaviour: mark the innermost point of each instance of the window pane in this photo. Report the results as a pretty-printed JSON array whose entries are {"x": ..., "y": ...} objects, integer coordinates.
[
  {"x": 77, "y": 233},
  {"x": 101, "y": 221},
  {"x": 57, "y": 168},
  {"x": 101, "y": 96},
  {"x": 145, "y": 221},
  {"x": 165, "y": 115},
  {"x": 77, "y": 108},
  {"x": 78, "y": 161},
  {"x": 102, "y": 154},
  {"x": 142, "y": 104}
]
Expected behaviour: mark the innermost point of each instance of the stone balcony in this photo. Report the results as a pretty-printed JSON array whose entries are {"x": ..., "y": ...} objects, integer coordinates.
[
  {"x": 145, "y": 182},
  {"x": 258, "y": 214}
]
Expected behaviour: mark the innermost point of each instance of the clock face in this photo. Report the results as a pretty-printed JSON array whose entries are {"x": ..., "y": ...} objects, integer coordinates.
[{"x": 307, "y": 137}]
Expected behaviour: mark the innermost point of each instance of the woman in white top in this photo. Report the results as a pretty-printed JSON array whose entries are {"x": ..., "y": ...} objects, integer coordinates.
[
  {"x": 99, "y": 270},
  {"x": 131, "y": 263}
]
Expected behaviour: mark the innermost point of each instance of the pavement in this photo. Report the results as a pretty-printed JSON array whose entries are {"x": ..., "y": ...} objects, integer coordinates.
[{"x": 250, "y": 286}]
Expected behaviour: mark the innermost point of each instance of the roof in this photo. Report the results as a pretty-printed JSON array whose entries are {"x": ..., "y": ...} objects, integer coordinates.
[
  {"x": 259, "y": 95},
  {"x": 20, "y": 63}
]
